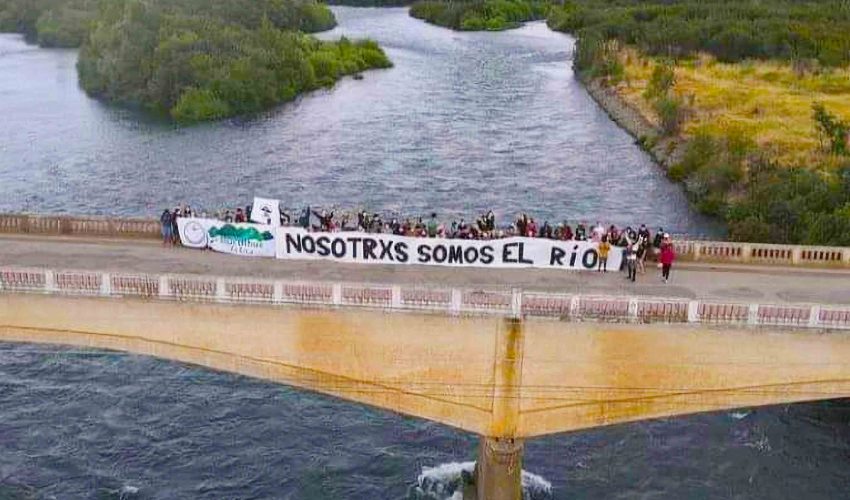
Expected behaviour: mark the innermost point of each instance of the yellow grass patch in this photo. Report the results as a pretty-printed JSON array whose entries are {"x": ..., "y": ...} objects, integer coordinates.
[{"x": 765, "y": 100}]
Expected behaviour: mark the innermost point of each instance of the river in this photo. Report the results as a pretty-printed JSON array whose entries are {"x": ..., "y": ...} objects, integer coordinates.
[
  {"x": 463, "y": 123},
  {"x": 78, "y": 424}
]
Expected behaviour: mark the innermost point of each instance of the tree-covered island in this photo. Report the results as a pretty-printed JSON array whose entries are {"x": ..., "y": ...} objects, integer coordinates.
[{"x": 195, "y": 60}]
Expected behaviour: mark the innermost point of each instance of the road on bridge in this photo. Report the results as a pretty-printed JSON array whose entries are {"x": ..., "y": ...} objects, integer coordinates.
[{"x": 689, "y": 280}]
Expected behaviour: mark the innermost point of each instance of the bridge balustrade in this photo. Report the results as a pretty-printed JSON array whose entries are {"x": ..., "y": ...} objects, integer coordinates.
[
  {"x": 249, "y": 291},
  {"x": 191, "y": 288},
  {"x": 835, "y": 318},
  {"x": 535, "y": 304},
  {"x": 723, "y": 313},
  {"x": 307, "y": 293},
  {"x": 716, "y": 250},
  {"x": 423, "y": 298},
  {"x": 484, "y": 301},
  {"x": 771, "y": 254},
  {"x": 686, "y": 248},
  {"x": 783, "y": 315},
  {"x": 22, "y": 280},
  {"x": 608, "y": 308},
  {"x": 662, "y": 311},
  {"x": 821, "y": 255},
  {"x": 82, "y": 283},
  {"x": 367, "y": 295},
  {"x": 138, "y": 286},
  {"x": 441, "y": 300}
]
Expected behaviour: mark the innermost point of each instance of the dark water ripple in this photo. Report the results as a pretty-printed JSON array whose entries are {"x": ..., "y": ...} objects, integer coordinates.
[
  {"x": 92, "y": 424},
  {"x": 464, "y": 122}
]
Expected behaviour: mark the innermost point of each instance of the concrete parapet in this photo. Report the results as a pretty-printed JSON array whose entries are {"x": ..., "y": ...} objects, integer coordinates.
[
  {"x": 687, "y": 250},
  {"x": 515, "y": 303},
  {"x": 79, "y": 226}
]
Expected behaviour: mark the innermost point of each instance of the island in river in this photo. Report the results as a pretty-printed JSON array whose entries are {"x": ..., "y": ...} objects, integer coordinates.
[{"x": 195, "y": 60}]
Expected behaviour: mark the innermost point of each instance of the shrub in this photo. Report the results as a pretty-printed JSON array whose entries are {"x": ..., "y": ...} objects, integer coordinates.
[
  {"x": 661, "y": 82},
  {"x": 671, "y": 113},
  {"x": 197, "y": 105},
  {"x": 836, "y": 132}
]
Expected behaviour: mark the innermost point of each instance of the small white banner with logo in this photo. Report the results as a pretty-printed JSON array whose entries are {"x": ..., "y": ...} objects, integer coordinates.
[
  {"x": 253, "y": 240},
  {"x": 266, "y": 211}
]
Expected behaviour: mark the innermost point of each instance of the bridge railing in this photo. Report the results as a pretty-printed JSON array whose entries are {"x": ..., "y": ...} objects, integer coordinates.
[
  {"x": 686, "y": 249},
  {"x": 395, "y": 298},
  {"x": 79, "y": 226}
]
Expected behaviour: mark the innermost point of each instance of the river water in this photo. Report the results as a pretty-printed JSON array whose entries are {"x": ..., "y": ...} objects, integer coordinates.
[
  {"x": 84, "y": 424},
  {"x": 463, "y": 123}
]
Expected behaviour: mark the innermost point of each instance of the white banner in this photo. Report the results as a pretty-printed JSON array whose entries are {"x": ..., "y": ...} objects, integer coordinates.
[
  {"x": 354, "y": 247},
  {"x": 254, "y": 240},
  {"x": 266, "y": 211}
]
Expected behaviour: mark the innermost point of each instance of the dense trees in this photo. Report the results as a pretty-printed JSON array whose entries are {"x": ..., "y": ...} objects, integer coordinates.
[
  {"x": 478, "y": 15},
  {"x": 51, "y": 23},
  {"x": 731, "y": 30},
  {"x": 197, "y": 59},
  {"x": 66, "y": 22}
]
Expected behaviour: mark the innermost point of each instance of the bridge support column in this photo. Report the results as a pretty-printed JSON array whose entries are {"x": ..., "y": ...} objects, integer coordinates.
[{"x": 498, "y": 472}]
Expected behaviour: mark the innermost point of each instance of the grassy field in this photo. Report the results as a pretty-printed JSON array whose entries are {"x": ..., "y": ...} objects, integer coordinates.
[{"x": 766, "y": 101}]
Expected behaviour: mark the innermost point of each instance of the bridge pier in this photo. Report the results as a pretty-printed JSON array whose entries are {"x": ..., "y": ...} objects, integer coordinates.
[{"x": 498, "y": 472}]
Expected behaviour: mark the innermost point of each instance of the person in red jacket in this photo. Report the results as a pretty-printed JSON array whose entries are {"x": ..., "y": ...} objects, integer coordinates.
[{"x": 668, "y": 255}]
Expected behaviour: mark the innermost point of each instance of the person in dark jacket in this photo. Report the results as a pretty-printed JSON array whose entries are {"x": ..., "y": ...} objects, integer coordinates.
[
  {"x": 175, "y": 231},
  {"x": 581, "y": 232},
  {"x": 165, "y": 220},
  {"x": 304, "y": 219}
]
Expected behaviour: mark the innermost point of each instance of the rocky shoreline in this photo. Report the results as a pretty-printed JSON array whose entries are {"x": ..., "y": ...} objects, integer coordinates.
[{"x": 666, "y": 151}]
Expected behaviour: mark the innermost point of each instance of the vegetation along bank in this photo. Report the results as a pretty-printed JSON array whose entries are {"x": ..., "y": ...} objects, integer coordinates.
[
  {"x": 195, "y": 60},
  {"x": 746, "y": 103}
]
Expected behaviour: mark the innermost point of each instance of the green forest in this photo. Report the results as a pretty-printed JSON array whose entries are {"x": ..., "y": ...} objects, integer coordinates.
[
  {"x": 195, "y": 60},
  {"x": 479, "y": 15},
  {"x": 731, "y": 30}
]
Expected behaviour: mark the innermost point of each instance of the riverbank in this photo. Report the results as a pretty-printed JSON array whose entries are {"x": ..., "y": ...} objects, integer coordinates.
[{"x": 666, "y": 151}]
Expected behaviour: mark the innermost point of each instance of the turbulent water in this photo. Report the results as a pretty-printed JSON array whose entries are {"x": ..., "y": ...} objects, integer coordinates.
[
  {"x": 86, "y": 424},
  {"x": 463, "y": 123}
]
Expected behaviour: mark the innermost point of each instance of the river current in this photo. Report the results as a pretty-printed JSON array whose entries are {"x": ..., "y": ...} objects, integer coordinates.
[
  {"x": 78, "y": 424},
  {"x": 464, "y": 122}
]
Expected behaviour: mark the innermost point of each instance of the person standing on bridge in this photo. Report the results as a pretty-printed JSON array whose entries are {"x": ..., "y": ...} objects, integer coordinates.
[
  {"x": 604, "y": 248},
  {"x": 630, "y": 258},
  {"x": 668, "y": 255},
  {"x": 165, "y": 221}
]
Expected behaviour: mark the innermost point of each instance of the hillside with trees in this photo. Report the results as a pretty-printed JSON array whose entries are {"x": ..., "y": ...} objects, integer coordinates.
[
  {"x": 752, "y": 99},
  {"x": 195, "y": 60}
]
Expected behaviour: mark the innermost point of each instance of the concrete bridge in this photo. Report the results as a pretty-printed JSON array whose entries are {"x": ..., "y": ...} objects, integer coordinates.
[{"x": 508, "y": 355}]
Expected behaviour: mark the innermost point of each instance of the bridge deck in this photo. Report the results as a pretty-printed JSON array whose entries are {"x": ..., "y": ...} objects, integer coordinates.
[{"x": 690, "y": 280}]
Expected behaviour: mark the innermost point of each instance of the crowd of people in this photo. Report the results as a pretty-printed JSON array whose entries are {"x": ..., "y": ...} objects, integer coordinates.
[{"x": 636, "y": 245}]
